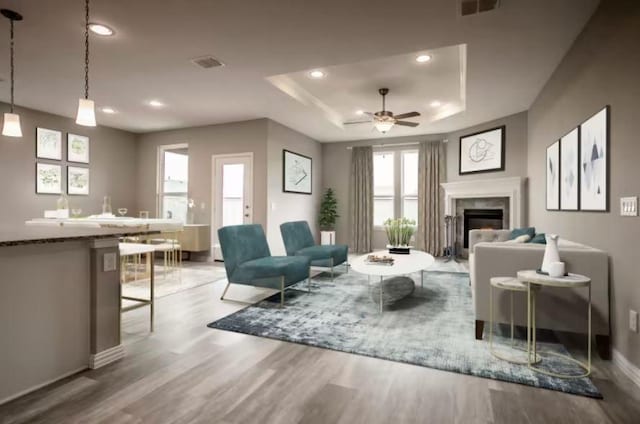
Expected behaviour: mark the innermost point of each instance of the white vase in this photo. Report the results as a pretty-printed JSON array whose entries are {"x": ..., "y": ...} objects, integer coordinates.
[{"x": 551, "y": 253}]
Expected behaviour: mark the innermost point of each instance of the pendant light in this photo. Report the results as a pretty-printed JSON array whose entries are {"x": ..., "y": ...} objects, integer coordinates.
[
  {"x": 86, "y": 108},
  {"x": 11, "y": 126}
]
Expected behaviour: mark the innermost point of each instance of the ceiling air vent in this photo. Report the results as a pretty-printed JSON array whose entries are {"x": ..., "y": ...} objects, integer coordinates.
[
  {"x": 207, "y": 62},
  {"x": 473, "y": 7}
]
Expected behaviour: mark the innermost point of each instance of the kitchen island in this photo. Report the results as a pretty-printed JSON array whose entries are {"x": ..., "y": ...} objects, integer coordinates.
[{"x": 60, "y": 298}]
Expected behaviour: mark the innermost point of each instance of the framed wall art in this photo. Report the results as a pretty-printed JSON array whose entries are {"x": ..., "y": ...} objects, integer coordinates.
[
  {"x": 594, "y": 158},
  {"x": 48, "y": 144},
  {"x": 296, "y": 173},
  {"x": 77, "y": 180},
  {"x": 482, "y": 151},
  {"x": 48, "y": 178},
  {"x": 553, "y": 176},
  {"x": 77, "y": 148},
  {"x": 570, "y": 171}
]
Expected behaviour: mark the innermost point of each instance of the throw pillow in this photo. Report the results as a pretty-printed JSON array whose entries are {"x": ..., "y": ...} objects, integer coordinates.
[
  {"x": 539, "y": 238},
  {"x": 520, "y": 239},
  {"x": 517, "y": 232}
]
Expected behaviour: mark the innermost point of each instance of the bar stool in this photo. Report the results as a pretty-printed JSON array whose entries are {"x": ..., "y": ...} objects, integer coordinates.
[{"x": 512, "y": 285}]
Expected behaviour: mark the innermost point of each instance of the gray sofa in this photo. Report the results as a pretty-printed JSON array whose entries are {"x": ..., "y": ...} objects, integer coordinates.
[{"x": 557, "y": 308}]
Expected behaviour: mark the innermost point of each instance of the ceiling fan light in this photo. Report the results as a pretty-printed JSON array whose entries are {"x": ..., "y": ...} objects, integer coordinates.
[
  {"x": 11, "y": 126},
  {"x": 383, "y": 126},
  {"x": 86, "y": 113}
]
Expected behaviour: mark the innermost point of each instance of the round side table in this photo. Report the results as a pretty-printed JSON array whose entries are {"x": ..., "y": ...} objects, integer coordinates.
[
  {"x": 512, "y": 285},
  {"x": 533, "y": 280}
]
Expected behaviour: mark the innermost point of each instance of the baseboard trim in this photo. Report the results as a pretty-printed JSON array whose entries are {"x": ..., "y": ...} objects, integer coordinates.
[
  {"x": 41, "y": 385},
  {"x": 106, "y": 357},
  {"x": 628, "y": 369}
]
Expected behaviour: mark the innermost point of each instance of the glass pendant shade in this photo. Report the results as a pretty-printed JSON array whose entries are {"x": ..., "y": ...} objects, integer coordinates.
[
  {"x": 86, "y": 113},
  {"x": 11, "y": 127},
  {"x": 383, "y": 126}
]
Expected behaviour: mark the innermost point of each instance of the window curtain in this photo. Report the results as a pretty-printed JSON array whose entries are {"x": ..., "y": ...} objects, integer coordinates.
[
  {"x": 431, "y": 169},
  {"x": 361, "y": 199}
]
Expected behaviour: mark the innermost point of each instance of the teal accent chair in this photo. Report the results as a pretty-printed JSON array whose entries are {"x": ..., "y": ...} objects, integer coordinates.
[
  {"x": 248, "y": 261},
  {"x": 298, "y": 241}
]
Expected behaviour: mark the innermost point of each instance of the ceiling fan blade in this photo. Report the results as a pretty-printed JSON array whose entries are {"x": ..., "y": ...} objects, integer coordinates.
[
  {"x": 407, "y": 123},
  {"x": 356, "y": 122},
  {"x": 406, "y": 115}
]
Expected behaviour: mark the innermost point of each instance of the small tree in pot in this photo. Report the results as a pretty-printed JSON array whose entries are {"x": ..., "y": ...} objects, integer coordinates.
[
  {"x": 328, "y": 216},
  {"x": 328, "y": 211}
]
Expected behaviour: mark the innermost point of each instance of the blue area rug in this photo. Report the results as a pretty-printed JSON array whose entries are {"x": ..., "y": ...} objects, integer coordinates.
[{"x": 434, "y": 327}]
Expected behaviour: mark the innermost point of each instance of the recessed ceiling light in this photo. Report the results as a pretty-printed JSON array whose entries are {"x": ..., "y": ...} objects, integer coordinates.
[
  {"x": 423, "y": 58},
  {"x": 156, "y": 103},
  {"x": 108, "y": 110},
  {"x": 359, "y": 112},
  {"x": 436, "y": 103},
  {"x": 101, "y": 29},
  {"x": 317, "y": 74}
]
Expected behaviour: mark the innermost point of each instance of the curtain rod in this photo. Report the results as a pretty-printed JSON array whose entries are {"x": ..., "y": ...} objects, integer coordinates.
[{"x": 416, "y": 143}]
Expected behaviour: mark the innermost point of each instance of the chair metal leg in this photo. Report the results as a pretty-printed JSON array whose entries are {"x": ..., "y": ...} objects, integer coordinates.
[
  {"x": 309, "y": 281},
  {"x": 225, "y": 291},
  {"x": 331, "y": 268},
  {"x": 282, "y": 291}
]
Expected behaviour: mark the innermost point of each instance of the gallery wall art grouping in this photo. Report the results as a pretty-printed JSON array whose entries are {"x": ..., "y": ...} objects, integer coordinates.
[
  {"x": 577, "y": 174},
  {"x": 49, "y": 176}
]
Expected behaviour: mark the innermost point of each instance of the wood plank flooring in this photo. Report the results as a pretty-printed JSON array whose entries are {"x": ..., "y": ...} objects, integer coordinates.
[{"x": 188, "y": 373}]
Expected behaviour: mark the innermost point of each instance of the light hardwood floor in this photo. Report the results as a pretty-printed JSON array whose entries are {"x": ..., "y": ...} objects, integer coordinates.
[{"x": 186, "y": 372}]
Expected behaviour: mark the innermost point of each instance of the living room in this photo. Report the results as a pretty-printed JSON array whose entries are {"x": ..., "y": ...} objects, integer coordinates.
[{"x": 276, "y": 245}]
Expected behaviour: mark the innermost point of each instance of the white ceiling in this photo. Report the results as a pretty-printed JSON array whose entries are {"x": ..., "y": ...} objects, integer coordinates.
[
  {"x": 511, "y": 53},
  {"x": 346, "y": 89}
]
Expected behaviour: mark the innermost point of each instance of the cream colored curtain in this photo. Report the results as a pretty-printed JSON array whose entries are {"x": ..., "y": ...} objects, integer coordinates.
[
  {"x": 431, "y": 169},
  {"x": 361, "y": 199}
]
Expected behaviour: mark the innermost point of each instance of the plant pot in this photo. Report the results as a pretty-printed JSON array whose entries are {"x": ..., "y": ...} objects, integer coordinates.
[
  {"x": 399, "y": 250},
  {"x": 327, "y": 237}
]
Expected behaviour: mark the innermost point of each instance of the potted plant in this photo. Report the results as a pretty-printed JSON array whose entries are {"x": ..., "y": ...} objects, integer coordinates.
[
  {"x": 327, "y": 217},
  {"x": 399, "y": 233}
]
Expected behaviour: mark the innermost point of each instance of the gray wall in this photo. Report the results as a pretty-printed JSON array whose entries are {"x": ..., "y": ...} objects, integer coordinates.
[
  {"x": 204, "y": 142},
  {"x": 112, "y": 165},
  {"x": 283, "y": 207},
  {"x": 337, "y": 159},
  {"x": 601, "y": 68}
]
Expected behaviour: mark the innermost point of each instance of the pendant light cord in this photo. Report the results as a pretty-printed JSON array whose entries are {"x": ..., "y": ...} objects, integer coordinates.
[
  {"x": 86, "y": 51},
  {"x": 12, "y": 65}
]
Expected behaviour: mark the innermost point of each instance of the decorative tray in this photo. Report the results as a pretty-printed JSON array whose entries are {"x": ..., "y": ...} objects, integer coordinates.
[{"x": 379, "y": 260}]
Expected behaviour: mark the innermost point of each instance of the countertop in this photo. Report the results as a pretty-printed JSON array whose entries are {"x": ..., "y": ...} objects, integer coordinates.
[{"x": 54, "y": 231}]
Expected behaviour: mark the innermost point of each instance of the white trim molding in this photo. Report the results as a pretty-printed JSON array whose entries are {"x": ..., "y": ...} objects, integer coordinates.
[
  {"x": 627, "y": 368},
  {"x": 106, "y": 357},
  {"x": 510, "y": 187}
]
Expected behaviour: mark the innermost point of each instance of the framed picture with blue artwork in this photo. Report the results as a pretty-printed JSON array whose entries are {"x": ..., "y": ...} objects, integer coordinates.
[
  {"x": 594, "y": 162},
  {"x": 570, "y": 171},
  {"x": 482, "y": 151},
  {"x": 552, "y": 165}
]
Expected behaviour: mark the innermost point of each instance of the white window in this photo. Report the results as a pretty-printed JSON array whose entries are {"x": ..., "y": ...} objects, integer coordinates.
[
  {"x": 410, "y": 185},
  {"x": 383, "y": 187},
  {"x": 174, "y": 183},
  {"x": 395, "y": 186}
]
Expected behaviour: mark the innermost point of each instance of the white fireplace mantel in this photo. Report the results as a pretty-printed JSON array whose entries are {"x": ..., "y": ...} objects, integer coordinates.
[{"x": 511, "y": 187}]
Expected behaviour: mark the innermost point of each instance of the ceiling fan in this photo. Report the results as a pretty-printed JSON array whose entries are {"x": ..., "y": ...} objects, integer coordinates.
[{"x": 384, "y": 120}]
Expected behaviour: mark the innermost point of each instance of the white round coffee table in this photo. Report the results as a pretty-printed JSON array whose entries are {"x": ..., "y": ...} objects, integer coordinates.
[{"x": 416, "y": 261}]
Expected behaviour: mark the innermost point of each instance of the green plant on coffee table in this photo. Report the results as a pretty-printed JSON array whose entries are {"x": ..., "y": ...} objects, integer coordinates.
[
  {"x": 399, "y": 231},
  {"x": 328, "y": 211}
]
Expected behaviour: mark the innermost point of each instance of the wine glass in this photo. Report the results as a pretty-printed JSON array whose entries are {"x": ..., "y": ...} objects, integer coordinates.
[
  {"x": 76, "y": 212},
  {"x": 122, "y": 211}
]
